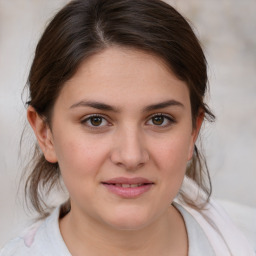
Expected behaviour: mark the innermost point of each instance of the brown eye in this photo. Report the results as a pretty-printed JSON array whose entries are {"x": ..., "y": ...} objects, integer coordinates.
[
  {"x": 96, "y": 120},
  {"x": 161, "y": 120},
  {"x": 158, "y": 120}
]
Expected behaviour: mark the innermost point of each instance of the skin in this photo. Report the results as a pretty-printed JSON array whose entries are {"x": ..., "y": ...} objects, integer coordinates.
[{"x": 129, "y": 142}]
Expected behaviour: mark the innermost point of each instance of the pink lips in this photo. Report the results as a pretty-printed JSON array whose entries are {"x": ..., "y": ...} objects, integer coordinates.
[{"x": 128, "y": 187}]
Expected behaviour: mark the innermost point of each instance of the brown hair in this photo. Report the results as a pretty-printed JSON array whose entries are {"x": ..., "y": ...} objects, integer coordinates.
[{"x": 83, "y": 28}]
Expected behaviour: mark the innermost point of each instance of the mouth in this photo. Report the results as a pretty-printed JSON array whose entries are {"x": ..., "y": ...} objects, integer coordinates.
[
  {"x": 128, "y": 188},
  {"x": 126, "y": 185}
]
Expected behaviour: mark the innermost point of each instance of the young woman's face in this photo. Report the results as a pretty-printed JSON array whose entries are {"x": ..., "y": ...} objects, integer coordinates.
[{"x": 122, "y": 135}]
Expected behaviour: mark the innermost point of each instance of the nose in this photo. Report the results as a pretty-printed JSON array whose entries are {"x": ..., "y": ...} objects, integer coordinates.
[{"x": 129, "y": 150}]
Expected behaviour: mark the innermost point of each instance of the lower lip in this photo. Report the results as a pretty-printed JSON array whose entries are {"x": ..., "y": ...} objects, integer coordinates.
[{"x": 128, "y": 192}]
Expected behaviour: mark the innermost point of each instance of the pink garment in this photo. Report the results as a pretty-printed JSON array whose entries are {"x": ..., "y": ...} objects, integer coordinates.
[{"x": 223, "y": 235}]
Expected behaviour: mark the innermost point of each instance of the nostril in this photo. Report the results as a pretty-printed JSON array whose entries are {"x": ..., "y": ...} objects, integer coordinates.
[{"x": 129, "y": 155}]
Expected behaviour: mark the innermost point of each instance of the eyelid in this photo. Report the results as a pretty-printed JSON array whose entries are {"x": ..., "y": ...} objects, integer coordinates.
[
  {"x": 162, "y": 114},
  {"x": 87, "y": 118},
  {"x": 169, "y": 117}
]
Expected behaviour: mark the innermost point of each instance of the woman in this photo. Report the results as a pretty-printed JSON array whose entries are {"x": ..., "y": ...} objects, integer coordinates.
[{"x": 116, "y": 103}]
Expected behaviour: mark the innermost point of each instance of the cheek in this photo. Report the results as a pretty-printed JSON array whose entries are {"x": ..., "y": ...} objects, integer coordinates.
[
  {"x": 171, "y": 159},
  {"x": 79, "y": 159},
  {"x": 172, "y": 153}
]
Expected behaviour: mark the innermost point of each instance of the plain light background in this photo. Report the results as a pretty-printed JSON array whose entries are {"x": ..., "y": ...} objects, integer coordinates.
[{"x": 227, "y": 32}]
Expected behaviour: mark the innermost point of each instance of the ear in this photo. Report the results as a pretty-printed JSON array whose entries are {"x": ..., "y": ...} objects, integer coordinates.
[
  {"x": 43, "y": 134},
  {"x": 195, "y": 132}
]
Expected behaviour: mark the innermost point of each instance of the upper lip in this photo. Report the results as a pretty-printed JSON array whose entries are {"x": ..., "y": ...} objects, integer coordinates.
[{"x": 124, "y": 180}]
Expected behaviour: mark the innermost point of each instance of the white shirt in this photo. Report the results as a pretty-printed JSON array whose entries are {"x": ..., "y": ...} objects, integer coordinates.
[
  {"x": 198, "y": 243},
  {"x": 44, "y": 238},
  {"x": 210, "y": 232}
]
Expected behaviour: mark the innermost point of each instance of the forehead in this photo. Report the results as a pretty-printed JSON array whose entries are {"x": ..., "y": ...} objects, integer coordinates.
[{"x": 124, "y": 76}]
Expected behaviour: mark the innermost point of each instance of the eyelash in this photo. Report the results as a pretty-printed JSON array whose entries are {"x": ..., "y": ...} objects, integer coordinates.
[
  {"x": 169, "y": 119},
  {"x": 88, "y": 118}
]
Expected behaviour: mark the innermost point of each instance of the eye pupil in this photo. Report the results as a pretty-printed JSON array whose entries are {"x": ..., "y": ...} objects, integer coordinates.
[
  {"x": 158, "y": 120},
  {"x": 96, "y": 120}
]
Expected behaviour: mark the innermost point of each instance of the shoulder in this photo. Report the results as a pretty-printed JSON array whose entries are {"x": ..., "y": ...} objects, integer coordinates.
[
  {"x": 221, "y": 232},
  {"x": 197, "y": 240},
  {"x": 23, "y": 244},
  {"x": 42, "y": 238}
]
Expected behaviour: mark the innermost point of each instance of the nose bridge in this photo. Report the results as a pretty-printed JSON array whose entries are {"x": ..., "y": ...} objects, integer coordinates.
[{"x": 130, "y": 150}]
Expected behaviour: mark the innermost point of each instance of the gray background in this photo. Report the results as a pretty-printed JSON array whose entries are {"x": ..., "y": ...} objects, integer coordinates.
[{"x": 227, "y": 30}]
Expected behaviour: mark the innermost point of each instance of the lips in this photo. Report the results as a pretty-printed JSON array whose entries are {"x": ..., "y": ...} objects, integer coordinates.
[{"x": 128, "y": 187}]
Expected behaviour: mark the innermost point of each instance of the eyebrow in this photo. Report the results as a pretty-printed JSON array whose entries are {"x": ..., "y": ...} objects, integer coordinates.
[
  {"x": 106, "y": 107},
  {"x": 94, "y": 104},
  {"x": 164, "y": 104}
]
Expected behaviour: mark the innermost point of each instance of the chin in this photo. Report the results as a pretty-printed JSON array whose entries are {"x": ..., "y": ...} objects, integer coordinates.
[{"x": 130, "y": 220}]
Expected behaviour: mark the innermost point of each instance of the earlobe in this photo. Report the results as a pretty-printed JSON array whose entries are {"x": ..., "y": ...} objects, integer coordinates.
[
  {"x": 43, "y": 134},
  {"x": 195, "y": 133}
]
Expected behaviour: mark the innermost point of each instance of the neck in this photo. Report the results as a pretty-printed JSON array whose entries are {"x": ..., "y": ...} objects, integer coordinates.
[{"x": 166, "y": 236}]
